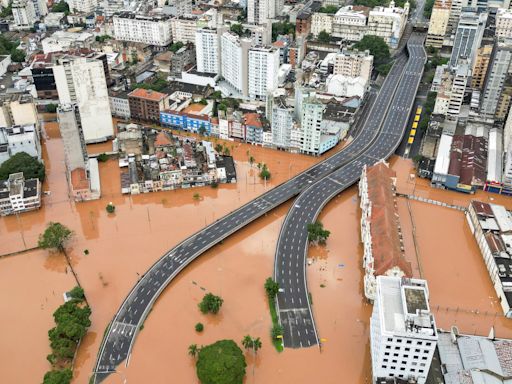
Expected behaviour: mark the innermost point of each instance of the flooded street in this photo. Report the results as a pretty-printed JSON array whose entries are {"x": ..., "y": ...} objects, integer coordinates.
[{"x": 124, "y": 245}]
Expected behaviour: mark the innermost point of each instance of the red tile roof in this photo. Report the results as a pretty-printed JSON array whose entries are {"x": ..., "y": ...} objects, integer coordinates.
[
  {"x": 147, "y": 94},
  {"x": 384, "y": 222}
]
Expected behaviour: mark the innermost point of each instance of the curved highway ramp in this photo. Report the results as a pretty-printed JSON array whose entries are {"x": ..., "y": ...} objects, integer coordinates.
[{"x": 290, "y": 262}]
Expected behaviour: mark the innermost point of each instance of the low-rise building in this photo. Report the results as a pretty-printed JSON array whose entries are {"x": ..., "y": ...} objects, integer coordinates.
[
  {"x": 350, "y": 22},
  {"x": 61, "y": 41},
  {"x": 16, "y": 139},
  {"x": 119, "y": 104},
  {"x": 19, "y": 195},
  {"x": 183, "y": 113},
  {"x": 491, "y": 225},
  {"x": 146, "y": 104},
  {"x": 388, "y": 23},
  {"x": 381, "y": 232}
]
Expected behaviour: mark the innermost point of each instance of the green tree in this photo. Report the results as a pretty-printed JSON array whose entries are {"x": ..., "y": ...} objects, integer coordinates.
[
  {"x": 77, "y": 293},
  {"x": 271, "y": 288},
  {"x": 328, "y": 9},
  {"x": 7, "y": 11},
  {"x": 226, "y": 151},
  {"x": 324, "y": 37},
  {"x": 103, "y": 38},
  {"x": 22, "y": 162},
  {"x": 247, "y": 342},
  {"x": 196, "y": 196},
  {"x": 221, "y": 363},
  {"x": 193, "y": 350},
  {"x": 317, "y": 233},
  {"x": 251, "y": 160},
  {"x": 217, "y": 95},
  {"x": 61, "y": 6},
  {"x": 54, "y": 237},
  {"x": 210, "y": 303},
  {"x": 110, "y": 208},
  {"x": 264, "y": 172},
  {"x": 51, "y": 108},
  {"x": 199, "y": 327},
  {"x": 18, "y": 56},
  {"x": 282, "y": 28},
  {"x": 175, "y": 47},
  {"x": 70, "y": 311},
  {"x": 427, "y": 9},
  {"x": 237, "y": 28},
  {"x": 377, "y": 47},
  {"x": 218, "y": 148},
  {"x": 62, "y": 376}
]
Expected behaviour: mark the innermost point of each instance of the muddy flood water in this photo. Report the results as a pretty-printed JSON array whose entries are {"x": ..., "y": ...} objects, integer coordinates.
[{"x": 125, "y": 244}]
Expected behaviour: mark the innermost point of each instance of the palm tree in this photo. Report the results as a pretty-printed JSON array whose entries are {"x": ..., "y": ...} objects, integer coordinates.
[
  {"x": 193, "y": 350},
  {"x": 256, "y": 344},
  {"x": 247, "y": 342}
]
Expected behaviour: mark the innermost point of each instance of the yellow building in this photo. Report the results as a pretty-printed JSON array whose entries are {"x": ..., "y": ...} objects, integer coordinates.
[
  {"x": 438, "y": 24},
  {"x": 483, "y": 55}
]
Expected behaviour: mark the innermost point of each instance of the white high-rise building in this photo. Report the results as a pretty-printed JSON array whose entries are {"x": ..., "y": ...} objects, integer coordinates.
[
  {"x": 403, "y": 333},
  {"x": 497, "y": 72},
  {"x": 24, "y": 14},
  {"x": 207, "y": 50},
  {"x": 312, "y": 114},
  {"x": 468, "y": 36},
  {"x": 263, "y": 71},
  {"x": 151, "y": 30},
  {"x": 82, "y": 6},
  {"x": 40, "y": 8},
  {"x": 282, "y": 123},
  {"x": 184, "y": 29},
  {"x": 261, "y": 11},
  {"x": 75, "y": 150},
  {"x": 82, "y": 81},
  {"x": 234, "y": 61}
]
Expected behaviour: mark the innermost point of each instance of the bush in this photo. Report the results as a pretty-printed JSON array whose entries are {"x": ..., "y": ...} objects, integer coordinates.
[
  {"x": 210, "y": 303},
  {"x": 63, "y": 376},
  {"x": 51, "y": 108},
  {"x": 277, "y": 330},
  {"x": 111, "y": 208},
  {"x": 22, "y": 162},
  {"x": 102, "y": 157},
  {"x": 377, "y": 47},
  {"x": 222, "y": 362},
  {"x": 199, "y": 327},
  {"x": 214, "y": 185}
]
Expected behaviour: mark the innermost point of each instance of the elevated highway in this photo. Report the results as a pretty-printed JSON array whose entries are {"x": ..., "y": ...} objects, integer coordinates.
[{"x": 294, "y": 308}]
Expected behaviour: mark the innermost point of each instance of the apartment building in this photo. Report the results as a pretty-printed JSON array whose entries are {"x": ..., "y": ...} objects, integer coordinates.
[
  {"x": 282, "y": 123},
  {"x": 17, "y": 109},
  {"x": 24, "y": 14},
  {"x": 483, "y": 56},
  {"x": 19, "y": 138},
  {"x": 18, "y": 195},
  {"x": 184, "y": 29},
  {"x": 504, "y": 23},
  {"x": 350, "y": 22},
  {"x": 262, "y": 72},
  {"x": 497, "y": 72},
  {"x": 262, "y": 11},
  {"x": 82, "y": 6},
  {"x": 451, "y": 90},
  {"x": 234, "y": 64},
  {"x": 438, "y": 24},
  {"x": 321, "y": 21},
  {"x": 151, "y": 30},
  {"x": 354, "y": 64},
  {"x": 388, "y": 23},
  {"x": 207, "y": 50},
  {"x": 403, "y": 334},
  {"x": 146, "y": 104},
  {"x": 82, "y": 81},
  {"x": 312, "y": 113},
  {"x": 468, "y": 36}
]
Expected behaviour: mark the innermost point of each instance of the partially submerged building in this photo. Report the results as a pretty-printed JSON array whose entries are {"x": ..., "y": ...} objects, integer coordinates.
[
  {"x": 381, "y": 232},
  {"x": 19, "y": 195},
  {"x": 491, "y": 225}
]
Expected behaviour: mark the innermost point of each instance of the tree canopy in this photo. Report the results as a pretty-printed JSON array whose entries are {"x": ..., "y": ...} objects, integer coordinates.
[
  {"x": 175, "y": 47},
  {"x": 282, "y": 28},
  {"x": 58, "y": 377},
  {"x": 271, "y": 288},
  {"x": 328, "y": 9},
  {"x": 221, "y": 363},
  {"x": 377, "y": 47},
  {"x": 317, "y": 233},
  {"x": 54, "y": 236},
  {"x": 210, "y": 303},
  {"x": 22, "y": 162},
  {"x": 61, "y": 6},
  {"x": 324, "y": 37},
  {"x": 237, "y": 28}
]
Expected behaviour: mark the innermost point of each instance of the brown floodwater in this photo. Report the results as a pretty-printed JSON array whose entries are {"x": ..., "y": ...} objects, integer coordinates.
[{"x": 145, "y": 226}]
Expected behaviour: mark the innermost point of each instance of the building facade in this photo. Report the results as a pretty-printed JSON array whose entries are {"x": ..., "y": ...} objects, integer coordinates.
[
  {"x": 151, "y": 30},
  {"x": 18, "y": 195},
  {"x": 262, "y": 72},
  {"x": 403, "y": 334},
  {"x": 82, "y": 81},
  {"x": 207, "y": 50},
  {"x": 146, "y": 105}
]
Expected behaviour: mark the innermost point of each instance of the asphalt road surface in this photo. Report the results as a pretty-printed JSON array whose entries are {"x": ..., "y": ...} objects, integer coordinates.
[
  {"x": 121, "y": 334},
  {"x": 290, "y": 262}
]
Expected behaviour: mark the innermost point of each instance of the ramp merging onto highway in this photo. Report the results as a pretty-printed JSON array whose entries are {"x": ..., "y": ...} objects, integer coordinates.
[{"x": 290, "y": 263}]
